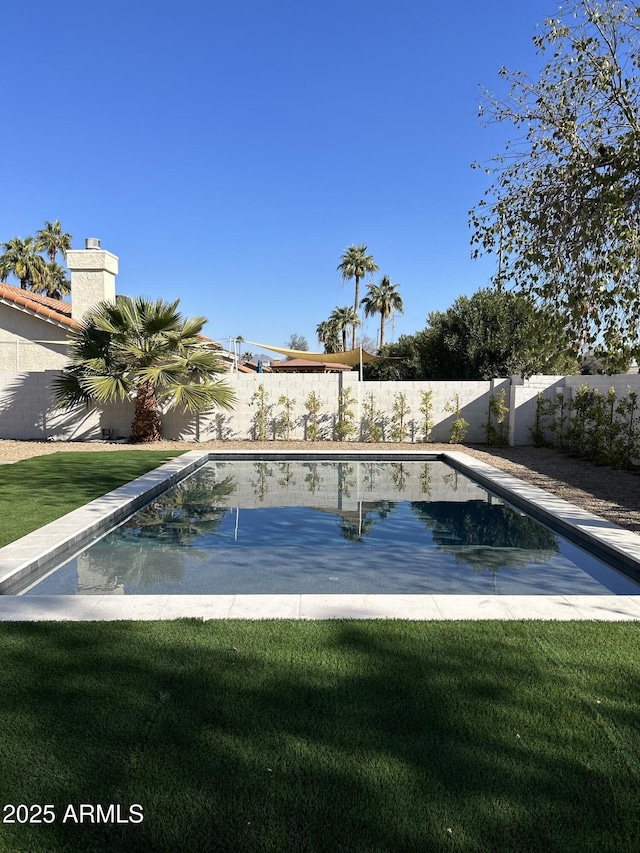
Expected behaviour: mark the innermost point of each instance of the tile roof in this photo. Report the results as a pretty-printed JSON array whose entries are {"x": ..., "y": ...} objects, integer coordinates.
[
  {"x": 308, "y": 365},
  {"x": 54, "y": 310}
]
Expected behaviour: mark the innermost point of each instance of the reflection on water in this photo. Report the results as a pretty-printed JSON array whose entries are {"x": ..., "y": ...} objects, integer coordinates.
[
  {"x": 260, "y": 481},
  {"x": 192, "y": 508},
  {"x": 148, "y": 548},
  {"x": 326, "y": 527},
  {"x": 486, "y": 535}
]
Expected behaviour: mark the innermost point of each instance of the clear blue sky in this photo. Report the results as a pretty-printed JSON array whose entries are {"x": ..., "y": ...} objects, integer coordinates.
[{"x": 229, "y": 152}]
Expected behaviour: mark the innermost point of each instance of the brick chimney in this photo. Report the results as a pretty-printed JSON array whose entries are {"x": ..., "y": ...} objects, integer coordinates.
[{"x": 93, "y": 277}]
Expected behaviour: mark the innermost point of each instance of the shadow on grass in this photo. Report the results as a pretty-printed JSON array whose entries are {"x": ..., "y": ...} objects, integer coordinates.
[{"x": 290, "y": 736}]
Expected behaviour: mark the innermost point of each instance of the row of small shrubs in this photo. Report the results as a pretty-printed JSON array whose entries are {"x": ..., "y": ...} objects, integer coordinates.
[
  {"x": 375, "y": 424},
  {"x": 600, "y": 427}
]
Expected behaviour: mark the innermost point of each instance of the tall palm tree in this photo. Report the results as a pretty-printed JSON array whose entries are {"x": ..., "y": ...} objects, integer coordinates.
[
  {"x": 329, "y": 336},
  {"x": 20, "y": 259},
  {"x": 382, "y": 299},
  {"x": 355, "y": 263},
  {"x": 146, "y": 351},
  {"x": 55, "y": 283},
  {"x": 51, "y": 239},
  {"x": 342, "y": 318}
]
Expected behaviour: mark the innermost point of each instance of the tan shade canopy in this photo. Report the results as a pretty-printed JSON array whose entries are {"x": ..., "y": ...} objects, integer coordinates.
[{"x": 352, "y": 356}]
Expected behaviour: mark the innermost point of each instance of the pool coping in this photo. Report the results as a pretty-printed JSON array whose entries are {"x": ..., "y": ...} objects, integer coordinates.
[{"x": 75, "y": 530}]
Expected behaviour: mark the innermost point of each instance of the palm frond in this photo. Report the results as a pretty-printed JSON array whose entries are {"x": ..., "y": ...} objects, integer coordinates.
[
  {"x": 197, "y": 397},
  {"x": 203, "y": 362},
  {"x": 68, "y": 393},
  {"x": 161, "y": 375},
  {"x": 192, "y": 326},
  {"x": 106, "y": 389}
]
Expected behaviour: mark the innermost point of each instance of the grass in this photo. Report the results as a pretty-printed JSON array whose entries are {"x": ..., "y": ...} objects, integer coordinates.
[
  {"x": 36, "y": 491},
  {"x": 324, "y": 736},
  {"x": 309, "y": 736}
]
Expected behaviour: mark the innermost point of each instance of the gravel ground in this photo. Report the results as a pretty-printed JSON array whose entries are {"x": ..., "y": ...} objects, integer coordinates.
[{"x": 614, "y": 495}]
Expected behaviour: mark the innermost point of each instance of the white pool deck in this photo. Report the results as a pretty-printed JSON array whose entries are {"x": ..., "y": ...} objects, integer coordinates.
[{"x": 26, "y": 555}]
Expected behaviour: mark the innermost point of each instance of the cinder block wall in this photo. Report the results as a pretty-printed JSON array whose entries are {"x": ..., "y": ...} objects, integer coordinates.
[
  {"x": 239, "y": 424},
  {"x": 26, "y": 411}
]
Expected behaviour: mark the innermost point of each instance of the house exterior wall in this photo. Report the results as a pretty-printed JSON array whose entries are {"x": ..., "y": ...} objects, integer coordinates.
[{"x": 28, "y": 343}]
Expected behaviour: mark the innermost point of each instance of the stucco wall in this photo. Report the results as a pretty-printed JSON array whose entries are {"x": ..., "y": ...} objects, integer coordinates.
[{"x": 29, "y": 343}]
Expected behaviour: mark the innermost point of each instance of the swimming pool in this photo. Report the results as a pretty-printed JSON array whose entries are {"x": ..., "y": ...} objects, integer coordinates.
[{"x": 327, "y": 527}]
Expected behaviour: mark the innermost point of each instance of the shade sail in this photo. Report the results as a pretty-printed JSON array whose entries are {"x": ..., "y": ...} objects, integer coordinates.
[{"x": 352, "y": 356}]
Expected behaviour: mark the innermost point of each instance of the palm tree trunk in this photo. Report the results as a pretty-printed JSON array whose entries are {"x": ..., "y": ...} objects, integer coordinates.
[
  {"x": 382, "y": 319},
  {"x": 146, "y": 424},
  {"x": 355, "y": 308}
]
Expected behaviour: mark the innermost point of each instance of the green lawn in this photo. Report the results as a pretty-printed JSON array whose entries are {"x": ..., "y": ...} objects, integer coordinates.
[
  {"x": 324, "y": 736},
  {"x": 308, "y": 736},
  {"x": 39, "y": 490}
]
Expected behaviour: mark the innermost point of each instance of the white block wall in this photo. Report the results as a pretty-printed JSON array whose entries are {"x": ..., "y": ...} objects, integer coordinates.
[
  {"x": 26, "y": 411},
  {"x": 523, "y": 400},
  {"x": 474, "y": 403}
]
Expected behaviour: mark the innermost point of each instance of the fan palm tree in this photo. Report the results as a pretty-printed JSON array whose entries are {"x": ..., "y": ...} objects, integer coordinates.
[
  {"x": 355, "y": 263},
  {"x": 146, "y": 351},
  {"x": 342, "y": 318},
  {"x": 55, "y": 283},
  {"x": 20, "y": 259},
  {"x": 51, "y": 239},
  {"x": 329, "y": 336},
  {"x": 382, "y": 299}
]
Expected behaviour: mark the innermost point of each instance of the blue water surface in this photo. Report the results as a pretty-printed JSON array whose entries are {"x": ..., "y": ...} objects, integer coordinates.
[{"x": 332, "y": 527}]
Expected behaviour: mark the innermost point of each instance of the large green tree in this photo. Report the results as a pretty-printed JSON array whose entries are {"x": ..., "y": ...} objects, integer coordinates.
[
  {"x": 382, "y": 299},
  {"x": 141, "y": 350},
  {"x": 404, "y": 360},
  {"x": 563, "y": 212},
  {"x": 490, "y": 334},
  {"x": 20, "y": 258},
  {"x": 355, "y": 263}
]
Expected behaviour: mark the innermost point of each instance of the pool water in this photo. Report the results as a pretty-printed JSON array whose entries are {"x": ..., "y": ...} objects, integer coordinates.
[{"x": 332, "y": 527}]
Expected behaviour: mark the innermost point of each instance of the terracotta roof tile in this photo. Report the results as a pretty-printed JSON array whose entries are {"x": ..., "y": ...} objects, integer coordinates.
[
  {"x": 295, "y": 364},
  {"x": 43, "y": 306}
]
